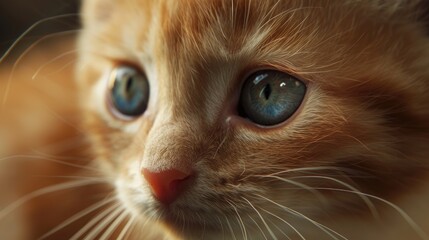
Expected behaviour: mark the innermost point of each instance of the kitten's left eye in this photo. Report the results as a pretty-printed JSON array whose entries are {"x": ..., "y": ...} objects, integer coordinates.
[
  {"x": 129, "y": 91},
  {"x": 270, "y": 97}
]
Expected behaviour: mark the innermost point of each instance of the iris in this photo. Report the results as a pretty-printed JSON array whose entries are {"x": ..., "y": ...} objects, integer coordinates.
[
  {"x": 270, "y": 97},
  {"x": 129, "y": 91}
]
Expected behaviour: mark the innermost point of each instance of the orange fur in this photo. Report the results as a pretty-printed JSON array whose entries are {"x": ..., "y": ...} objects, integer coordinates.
[{"x": 350, "y": 164}]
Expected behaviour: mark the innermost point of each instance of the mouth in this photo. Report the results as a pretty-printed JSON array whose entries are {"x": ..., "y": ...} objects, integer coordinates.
[{"x": 185, "y": 220}]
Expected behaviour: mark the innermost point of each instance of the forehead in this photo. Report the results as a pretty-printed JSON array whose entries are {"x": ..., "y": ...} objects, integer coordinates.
[
  {"x": 228, "y": 22},
  {"x": 189, "y": 39},
  {"x": 213, "y": 30},
  {"x": 233, "y": 28}
]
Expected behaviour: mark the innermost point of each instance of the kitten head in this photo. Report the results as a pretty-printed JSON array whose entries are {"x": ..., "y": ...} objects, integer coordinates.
[{"x": 216, "y": 114}]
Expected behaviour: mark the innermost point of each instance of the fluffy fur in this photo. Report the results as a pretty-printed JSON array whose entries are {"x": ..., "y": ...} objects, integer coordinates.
[{"x": 352, "y": 163}]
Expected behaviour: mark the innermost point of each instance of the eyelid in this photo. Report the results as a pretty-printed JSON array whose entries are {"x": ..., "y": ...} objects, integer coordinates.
[{"x": 249, "y": 71}]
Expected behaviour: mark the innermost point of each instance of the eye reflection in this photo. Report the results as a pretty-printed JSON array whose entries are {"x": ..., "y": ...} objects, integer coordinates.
[{"x": 271, "y": 97}]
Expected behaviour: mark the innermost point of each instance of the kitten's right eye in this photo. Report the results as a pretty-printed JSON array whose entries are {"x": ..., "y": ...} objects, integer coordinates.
[
  {"x": 271, "y": 97},
  {"x": 129, "y": 91}
]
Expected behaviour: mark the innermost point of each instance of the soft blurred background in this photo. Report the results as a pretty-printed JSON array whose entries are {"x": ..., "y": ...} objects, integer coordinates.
[
  {"x": 16, "y": 16},
  {"x": 39, "y": 131}
]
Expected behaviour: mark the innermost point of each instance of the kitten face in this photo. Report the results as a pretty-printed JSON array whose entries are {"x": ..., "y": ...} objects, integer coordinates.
[{"x": 361, "y": 126}]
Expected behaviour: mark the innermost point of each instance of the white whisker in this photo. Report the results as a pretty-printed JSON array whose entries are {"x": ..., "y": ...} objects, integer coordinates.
[
  {"x": 46, "y": 190},
  {"x": 31, "y": 28},
  {"x": 401, "y": 212},
  {"x": 364, "y": 198},
  {"x": 260, "y": 216},
  {"x": 9, "y": 81},
  {"x": 62, "y": 119},
  {"x": 62, "y": 145},
  {"x": 286, "y": 222},
  {"x": 106, "y": 235},
  {"x": 240, "y": 221},
  {"x": 271, "y": 221},
  {"x": 322, "y": 227},
  {"x": 221, "y": 225},
  {"x": 77, "y": 216},
  {"x": 259, "y": 227},
  {"x": 97, "y": 230},
  {"x": 311, "y": 169},
  {"x": 94, "y": 221},
  {"x": 298, "y": 184},
  {"x": 35, "y": 157},
  {"x": 51, "y": 61},
  {"x": 230, "y": 229},
  {"x": 126, "y": 228}
]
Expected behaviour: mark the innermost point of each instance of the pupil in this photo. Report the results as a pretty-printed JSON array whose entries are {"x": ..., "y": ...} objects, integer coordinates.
[
  {"x": 128, "y": 86},
  {"x": 267, "y": 91}
]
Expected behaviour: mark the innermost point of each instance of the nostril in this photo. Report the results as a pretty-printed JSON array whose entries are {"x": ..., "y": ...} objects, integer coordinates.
[{"x": 166, "y": 185}]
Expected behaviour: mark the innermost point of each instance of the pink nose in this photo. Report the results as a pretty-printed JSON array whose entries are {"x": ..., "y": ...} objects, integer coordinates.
[{"x": 166, "y": 185}]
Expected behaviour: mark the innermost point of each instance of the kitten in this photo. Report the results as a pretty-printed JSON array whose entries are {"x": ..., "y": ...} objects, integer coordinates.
[{"x": 238, "y": 120}]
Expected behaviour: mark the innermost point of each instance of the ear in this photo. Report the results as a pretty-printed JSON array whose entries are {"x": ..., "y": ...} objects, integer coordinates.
[{"x": 97, "y": 11}]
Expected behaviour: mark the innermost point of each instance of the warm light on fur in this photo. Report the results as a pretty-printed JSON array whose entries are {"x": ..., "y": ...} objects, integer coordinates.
[{"x": 351, "y": 163}]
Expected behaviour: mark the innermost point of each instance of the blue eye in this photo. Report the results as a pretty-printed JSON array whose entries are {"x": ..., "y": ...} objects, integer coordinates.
[
  {"x": 270, "y": 97},
  {"x": 129, "y": 91}
]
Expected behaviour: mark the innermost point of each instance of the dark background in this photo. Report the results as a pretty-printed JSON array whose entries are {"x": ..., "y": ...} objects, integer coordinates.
[{"x": 16, "y": 16}]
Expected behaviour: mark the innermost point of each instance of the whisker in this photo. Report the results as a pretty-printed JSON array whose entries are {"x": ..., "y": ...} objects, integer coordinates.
[
  {"x": 51, "y": 61},
  {"x": 220, "y": 144},
  {"x": 31, "y": 28},
  {"x": 322, "y": 227},
  {"x": 259, "y": 227},
  {"x": 46, "y": 190},
  {"x": 367, "y": 201},
  {"x": 103, "y": 224},
  {"x": 401, "y": 212},
  {"x": 126, "y": 228},
  {"x": 57, "y": 116},
  {"x": 66, "y": 65},
  {"x": 260, "y": 216},
  {"x": 230, "y": 228},
  {"x": 114, "y": 225},
  {"x": 94, "y": 221},
  {"x": 65, "y": 159},
  {"x": 272, "y": 223},
  {"x": 9, "y": 81},
  {"x": 298, "y": 184},
  {"x": 72, "y": 177},
  {"x": 77, "y": 216},
  {"x": 35, "y": 157},
  {"x": 310, "y": 169},
  {"x": 221, "y": 225},
  {"x": 241, "y": 223},
  {"x": 62, "y": 145},
  {"x": 286, "y": 222}
]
